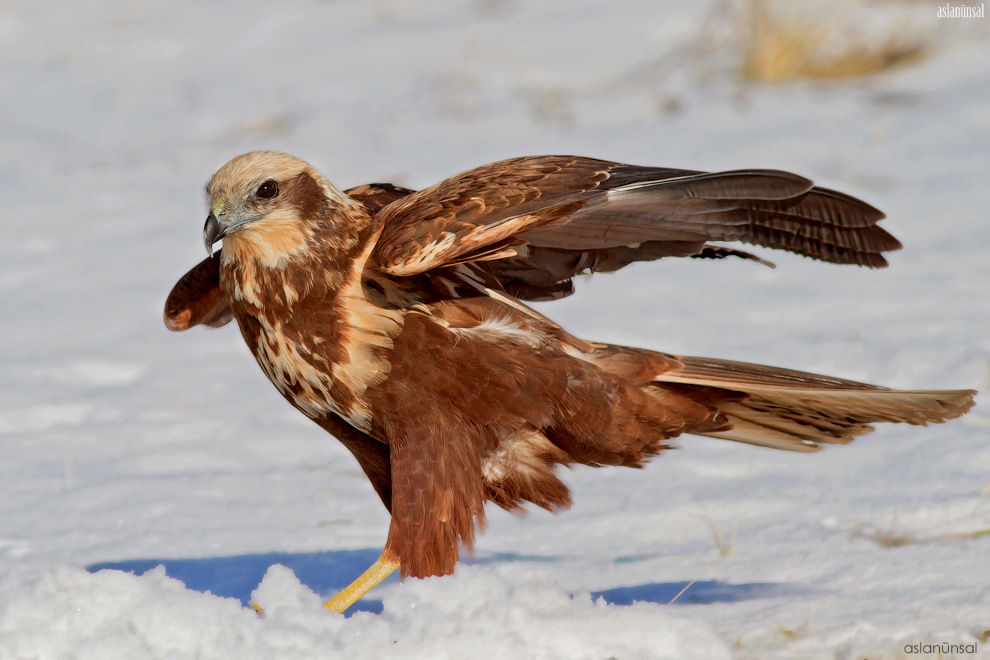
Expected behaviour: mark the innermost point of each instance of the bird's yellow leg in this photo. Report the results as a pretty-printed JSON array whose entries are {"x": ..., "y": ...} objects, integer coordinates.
[{"x": 378, "y": 571}]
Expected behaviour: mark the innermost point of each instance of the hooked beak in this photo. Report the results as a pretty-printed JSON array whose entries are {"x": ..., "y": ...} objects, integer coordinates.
[{"x": 213, "y": 231}]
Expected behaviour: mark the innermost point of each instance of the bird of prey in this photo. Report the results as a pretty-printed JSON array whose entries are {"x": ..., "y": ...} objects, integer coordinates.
[{"x": 395, "y": 319}]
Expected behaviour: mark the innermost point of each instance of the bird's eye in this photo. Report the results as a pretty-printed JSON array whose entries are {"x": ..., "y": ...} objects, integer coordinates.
[{"x": 267, "y": 190}]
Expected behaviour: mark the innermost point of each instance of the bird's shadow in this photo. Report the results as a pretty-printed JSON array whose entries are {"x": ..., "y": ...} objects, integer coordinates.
[
  {"x": 239, "y": 575},
  {"x": 328, "y": 572}
]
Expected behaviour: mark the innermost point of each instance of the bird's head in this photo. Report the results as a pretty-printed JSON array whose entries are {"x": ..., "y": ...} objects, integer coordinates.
[{"x": 264, "y": 204}]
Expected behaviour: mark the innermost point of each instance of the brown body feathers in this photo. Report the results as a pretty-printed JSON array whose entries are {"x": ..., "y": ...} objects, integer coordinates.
[{"x": 394, "y": 320}]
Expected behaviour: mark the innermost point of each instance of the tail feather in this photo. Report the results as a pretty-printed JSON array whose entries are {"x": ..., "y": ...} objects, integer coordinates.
[{"x": 798, "y": 411}]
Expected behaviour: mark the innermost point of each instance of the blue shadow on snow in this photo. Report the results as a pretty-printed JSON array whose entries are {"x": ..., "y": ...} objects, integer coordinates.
[
  {"x": 328, "y": 572},
  {"x": 701, "y": 592},
  {"x": 237, "y": 576}
]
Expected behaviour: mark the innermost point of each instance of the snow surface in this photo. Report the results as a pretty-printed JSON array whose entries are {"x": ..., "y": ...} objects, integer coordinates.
[{"x": 127, "y": 447}]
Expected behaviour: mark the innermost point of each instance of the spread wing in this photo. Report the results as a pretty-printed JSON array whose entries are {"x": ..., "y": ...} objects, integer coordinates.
[{"x": 540, "y": 220}]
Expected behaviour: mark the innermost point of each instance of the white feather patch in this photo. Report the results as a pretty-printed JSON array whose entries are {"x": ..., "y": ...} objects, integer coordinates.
[
  {"x": 518, "y": 455},
  {"x": 501, "y": 327}
]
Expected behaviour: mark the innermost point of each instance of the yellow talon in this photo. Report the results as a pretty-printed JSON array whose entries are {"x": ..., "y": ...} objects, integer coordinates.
[{"x": 378, "y": 571}]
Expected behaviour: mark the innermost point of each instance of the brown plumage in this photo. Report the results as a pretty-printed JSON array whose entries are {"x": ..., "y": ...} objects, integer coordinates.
[{"x": 393, "y": 319}]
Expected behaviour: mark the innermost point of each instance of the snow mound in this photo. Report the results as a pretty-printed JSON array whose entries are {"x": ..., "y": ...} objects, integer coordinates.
[{"x": 68, "y": 612}]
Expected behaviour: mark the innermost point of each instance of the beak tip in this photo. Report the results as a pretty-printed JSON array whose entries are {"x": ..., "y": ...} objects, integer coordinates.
[{"x": 213, "y": 231}]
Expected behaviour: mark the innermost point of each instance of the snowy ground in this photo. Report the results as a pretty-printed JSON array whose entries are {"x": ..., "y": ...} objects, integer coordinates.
[{"x": 126, "y": 446}]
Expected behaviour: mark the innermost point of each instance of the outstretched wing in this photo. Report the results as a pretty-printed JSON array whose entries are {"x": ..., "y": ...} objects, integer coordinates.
[
  {"x": 551, "y": 217},
  {"x": 539, "y": 221}
]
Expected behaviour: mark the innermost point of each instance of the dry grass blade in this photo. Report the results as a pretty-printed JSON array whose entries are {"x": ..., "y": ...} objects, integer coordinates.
[{"x": 781, "y": 43}]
